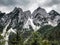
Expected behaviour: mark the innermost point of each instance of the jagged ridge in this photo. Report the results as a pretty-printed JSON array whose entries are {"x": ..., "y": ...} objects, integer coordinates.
[{"x": 19, "y": 18}]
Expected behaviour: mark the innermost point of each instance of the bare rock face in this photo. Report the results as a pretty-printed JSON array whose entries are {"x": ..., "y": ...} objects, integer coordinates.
[
  {"x": 54, "y": 18},
  {"x": 39, "y": 12},
  {"x": 39, "y": 17},
  {"x": 53, "y": 13},
  {"x": 17, "y": 17},
  {"x": 25, "y": 22}
]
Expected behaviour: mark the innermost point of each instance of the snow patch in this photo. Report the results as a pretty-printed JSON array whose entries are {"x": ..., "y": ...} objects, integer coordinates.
[
  {"x": 6, "y": 34},
  {"x": 54, "y": 22},
  {"x": 30, "y": 22},
  {"x": 4, "y": 30}
]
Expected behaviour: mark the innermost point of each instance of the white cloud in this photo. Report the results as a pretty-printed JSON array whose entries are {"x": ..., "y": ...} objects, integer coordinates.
[
  {"x": 6, "y": 9},
  {"x": 7, "y": 6}
]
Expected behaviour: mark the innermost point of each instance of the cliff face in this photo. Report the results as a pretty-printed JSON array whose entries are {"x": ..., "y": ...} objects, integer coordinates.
[{"x": 22, "y": 19}]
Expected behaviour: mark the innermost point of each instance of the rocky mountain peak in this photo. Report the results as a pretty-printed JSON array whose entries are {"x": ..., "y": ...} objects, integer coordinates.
[
  {"x": 39, "y": 12},
  {"x": 20, "y": 18},
  {"x": 53, "y": 12},
  {"x": 17, "y": 10},
  {"x": 1, "y": 14},
  {"x": 39, "y": 8}
]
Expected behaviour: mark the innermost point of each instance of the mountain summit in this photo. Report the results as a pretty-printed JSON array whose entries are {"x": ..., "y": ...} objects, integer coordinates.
[
  {"x": 53, "y": 12},
  {"x": 19, "y": 27},
  {"x": 39, "y": 17}
]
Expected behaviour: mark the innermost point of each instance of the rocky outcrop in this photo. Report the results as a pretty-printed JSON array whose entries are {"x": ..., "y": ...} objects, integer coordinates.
[{"x": 19, "y": 18}]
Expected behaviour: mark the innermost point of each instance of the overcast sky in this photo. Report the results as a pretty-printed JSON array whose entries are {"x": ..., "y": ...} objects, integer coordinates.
[{"x": 48, "y": 5}]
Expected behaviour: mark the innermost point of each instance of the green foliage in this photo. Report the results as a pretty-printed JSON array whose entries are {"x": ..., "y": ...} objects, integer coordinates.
[
  {"x": 1, "y": 42},
  {"x": 17, "y": 40},
  {"x": 37, "y": 39},
  {"x": 46, "y": 35},
  {"x": 53, "y": 33},
  {"x": 50, "y": 33}
]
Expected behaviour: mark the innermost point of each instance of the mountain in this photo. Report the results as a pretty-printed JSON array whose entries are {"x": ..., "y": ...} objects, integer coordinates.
[
  {"x": 24, "y": 19},
  {"x": 25, "y": 23},
  {"x": 53, "y": 12},
  {"x": 39, "y": 16},
  {"x": 54, "y": 18},
  {"x": 17, "y": 16}
]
